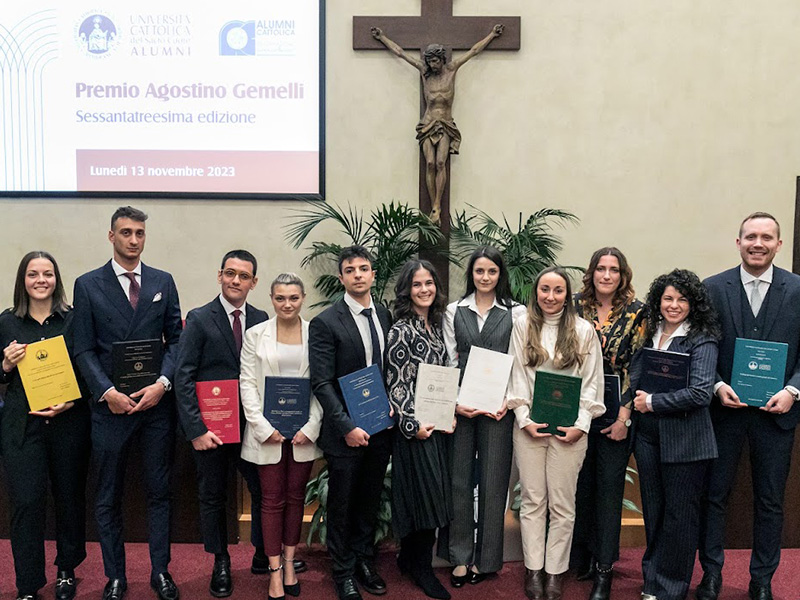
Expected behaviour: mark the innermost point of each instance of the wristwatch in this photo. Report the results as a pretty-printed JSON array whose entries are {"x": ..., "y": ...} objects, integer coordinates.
[
  {"x": 626, "y": 422},
  {"x": 793, "y": 391}
]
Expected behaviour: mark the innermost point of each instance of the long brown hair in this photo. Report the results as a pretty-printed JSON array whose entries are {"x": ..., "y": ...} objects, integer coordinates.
[
  {"x": 21, "y": 300},
  {"x": 624, "y": 294},
  {"x": 568, "y": 351}
]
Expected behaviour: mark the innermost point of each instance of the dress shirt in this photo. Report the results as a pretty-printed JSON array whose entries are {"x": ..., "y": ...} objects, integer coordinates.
[
  {"x": 363, "y": 326},
  {"x": 448, "y": 326},
  {"x": 229, "y": 308},
  {"x": 748, "y": 281},
  {"x": 681, "y": 331},
  {"x": 125, "y": 282},
  {"x": 120, "y": 271}
]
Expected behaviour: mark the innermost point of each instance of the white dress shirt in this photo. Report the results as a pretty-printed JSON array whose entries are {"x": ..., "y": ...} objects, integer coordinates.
[
  {"x": 123, "y": 279},
  {"x": 764, "y": 281},
  {"x": 229, "y": 308},
  {"x": 363, "y": 326}
]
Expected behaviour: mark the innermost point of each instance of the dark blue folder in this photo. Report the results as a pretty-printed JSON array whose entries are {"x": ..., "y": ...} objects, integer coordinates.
[
  {"x": 664, "y": 371},
  {"x": 286, "y": 403},
  {"x": 366, "y": 399}
]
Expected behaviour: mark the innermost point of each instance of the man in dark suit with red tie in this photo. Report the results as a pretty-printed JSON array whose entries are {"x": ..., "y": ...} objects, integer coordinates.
[
  {"x": 209, "y": 351},
  {"x": 348, "y": 336},
  {"x": 757, "y": 301},
  {"x": 125, "y": 300}
]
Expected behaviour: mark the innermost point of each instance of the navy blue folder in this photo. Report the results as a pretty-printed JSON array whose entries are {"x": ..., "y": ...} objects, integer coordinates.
[{"x": 366, "y": 399}]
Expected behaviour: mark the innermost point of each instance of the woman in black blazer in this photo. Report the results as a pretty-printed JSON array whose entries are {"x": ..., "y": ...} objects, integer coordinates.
[
  {"x": 51, "y": 444},
  {"x": 674, "y": 441}
]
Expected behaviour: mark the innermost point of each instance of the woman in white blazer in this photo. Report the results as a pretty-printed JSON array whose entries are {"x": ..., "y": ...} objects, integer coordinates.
[{"x": 279, "y": 347}]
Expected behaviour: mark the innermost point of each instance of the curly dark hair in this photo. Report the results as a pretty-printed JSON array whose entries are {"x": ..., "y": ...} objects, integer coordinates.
[
  {"x": 702, "y": 316},
  {"x": 403, "y": 306}
]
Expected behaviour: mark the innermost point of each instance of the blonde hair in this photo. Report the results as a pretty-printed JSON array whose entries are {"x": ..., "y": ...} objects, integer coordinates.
[{"x": 568, "y": 347}]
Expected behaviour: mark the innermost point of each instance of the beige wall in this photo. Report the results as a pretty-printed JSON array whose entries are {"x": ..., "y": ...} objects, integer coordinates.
[{"x": 659, "y": 125}]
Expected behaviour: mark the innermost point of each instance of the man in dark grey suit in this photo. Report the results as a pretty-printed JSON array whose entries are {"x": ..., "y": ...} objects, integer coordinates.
[
  {"x": 209, "y": 351},
  {"x": 125, "y": 300},
  {"x": 759, "y": 301},
  {"x": 348, "y": 336}
]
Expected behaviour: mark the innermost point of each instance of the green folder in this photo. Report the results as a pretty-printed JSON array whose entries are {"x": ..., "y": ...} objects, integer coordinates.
[{"x": 556, "y": 398}]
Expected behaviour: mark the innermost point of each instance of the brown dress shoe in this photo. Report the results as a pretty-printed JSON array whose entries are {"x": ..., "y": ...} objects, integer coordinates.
[
  {"x": 552, "y": 589},
  {"x": 534, "y": 584}
]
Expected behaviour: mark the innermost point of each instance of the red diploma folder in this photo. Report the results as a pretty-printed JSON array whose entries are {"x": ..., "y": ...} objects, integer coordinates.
[{"x": 219, "y": 406}]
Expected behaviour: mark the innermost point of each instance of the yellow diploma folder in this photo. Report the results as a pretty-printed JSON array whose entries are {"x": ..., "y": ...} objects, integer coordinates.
[{"x": 47, "y": 374}]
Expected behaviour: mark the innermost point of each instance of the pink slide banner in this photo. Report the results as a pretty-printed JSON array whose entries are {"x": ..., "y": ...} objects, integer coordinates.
[{"x": 198, "y": 171}]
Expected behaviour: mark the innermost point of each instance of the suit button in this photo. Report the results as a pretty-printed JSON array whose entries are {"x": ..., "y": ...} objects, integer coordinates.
[{"x": 47, "y": 421}]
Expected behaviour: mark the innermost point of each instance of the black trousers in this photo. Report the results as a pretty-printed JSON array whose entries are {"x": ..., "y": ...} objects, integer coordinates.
[
  {"x": 770, "y": 459},
  {"x": 354, "y": 494},
  {"x": 214, "y": 469},
  {"x": 112, "y": 436},
  {"x": 54, "y": 450},
  {"x": 671, "y": 498},
  {"x": 598, "y": 505}
]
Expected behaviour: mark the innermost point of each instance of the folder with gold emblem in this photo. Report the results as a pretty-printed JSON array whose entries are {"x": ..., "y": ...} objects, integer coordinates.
[{"x": 47, "y": 374}]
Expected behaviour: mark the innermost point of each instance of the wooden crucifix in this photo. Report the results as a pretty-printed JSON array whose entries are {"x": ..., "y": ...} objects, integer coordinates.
[{"x": 436, "y": 29}]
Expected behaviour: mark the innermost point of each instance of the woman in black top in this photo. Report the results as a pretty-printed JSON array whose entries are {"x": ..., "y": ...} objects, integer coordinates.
[
  {"x": 51, "y": 444},
  {"x": 421, "y": 500}
]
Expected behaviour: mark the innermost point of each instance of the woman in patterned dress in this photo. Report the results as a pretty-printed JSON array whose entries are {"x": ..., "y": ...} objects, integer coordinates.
[
  {"x": 608, "y": 302},
  {"x": 421, "y": 500}
]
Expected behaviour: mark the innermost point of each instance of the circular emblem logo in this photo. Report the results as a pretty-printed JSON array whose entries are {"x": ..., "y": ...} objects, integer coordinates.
[
  {"x": 664, "y": 369},
  {"x": 237, "y": 38},
  {"x": 557, "y": 395},
  {"x": 752, "y": 365},
  {"x": 97, "y": 34},
  {"x": 365, "y": 393},
  {"x": 431, "y": 387},
  {"x": 138, "y": 366},
  {"x": 41, "y": 355},
  {"x": 281, "y": 401},
  {"x": 216, "y": 391}
]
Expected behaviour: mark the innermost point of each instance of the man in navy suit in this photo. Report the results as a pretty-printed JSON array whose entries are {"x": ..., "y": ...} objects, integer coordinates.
[
  {"x": 209, "y": 351},
  {"x": 759, "y": 301},
  {"x": 348, "y": 336},
  {"x": 125, "y": 300}
]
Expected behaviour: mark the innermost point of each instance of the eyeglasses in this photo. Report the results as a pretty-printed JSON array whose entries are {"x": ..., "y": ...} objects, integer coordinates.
[{"x": 231, "y": 274}]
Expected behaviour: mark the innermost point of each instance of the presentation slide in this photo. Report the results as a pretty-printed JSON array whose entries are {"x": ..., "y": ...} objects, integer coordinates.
[{"x": 170, "y": 97}]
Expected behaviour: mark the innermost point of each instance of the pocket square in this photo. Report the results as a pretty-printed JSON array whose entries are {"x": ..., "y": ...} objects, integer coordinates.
[{"x": 157, "y": 297}]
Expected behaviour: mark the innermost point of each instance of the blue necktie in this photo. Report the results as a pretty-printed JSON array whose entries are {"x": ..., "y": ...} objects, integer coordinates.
[{"x": 377, "y": 359}]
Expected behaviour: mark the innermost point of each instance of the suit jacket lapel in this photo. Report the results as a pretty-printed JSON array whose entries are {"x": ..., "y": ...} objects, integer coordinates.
[
  {"x": 383, "y": 317},
  {"x": 224, "y": 325},
  {"x": 733, "y": 289},
  {"x": 304, "y": 359},
  {"x": 147, "y": 292},
  {"x": 111, "y": 287},
  {"x": 349, "y": 325},
  {"x": 270, "y": 342},
  {"x": 777, "y": 290}
]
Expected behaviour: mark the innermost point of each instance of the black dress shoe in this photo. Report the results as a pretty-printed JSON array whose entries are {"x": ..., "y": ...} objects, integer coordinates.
[
  {"x": 260, "y": 565},
  {"x": 164, "y": 586},
  {"x": 601, "y": 590},
  {"x": 114, "y": 590},
  {"x": 221, "y": 585},
  {"x": 458, "y": 581},
  {"x": 27, "y": 596},
  {"x": 475, "y": 578},
  {"x": 709, "y": 587},
  {"x": 368, "y": 578},
  {"x": 760, "y": 591},
  {"x": 347, "y": 589},
  {"x": 65, "y": 585},
  {"x": 300, "y": 566}
]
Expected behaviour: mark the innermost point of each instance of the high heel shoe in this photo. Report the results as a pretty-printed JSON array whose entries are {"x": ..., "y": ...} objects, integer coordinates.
[
  {"x": 458, "y": 581},
  {"x": 271, "y": 571},
  {"x": 291, "y": 589}
]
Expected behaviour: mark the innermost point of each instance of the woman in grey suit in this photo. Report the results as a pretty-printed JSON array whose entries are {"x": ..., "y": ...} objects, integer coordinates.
[{"x": 674, "y": 440}]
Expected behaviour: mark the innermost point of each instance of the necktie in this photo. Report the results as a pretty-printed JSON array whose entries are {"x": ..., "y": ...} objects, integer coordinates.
[
  {"x": 377, "y": 359},
  {"x": 755, "y": 298},
  {"x": 133, "y": 292},
  {"x": 237, "y": 330}
]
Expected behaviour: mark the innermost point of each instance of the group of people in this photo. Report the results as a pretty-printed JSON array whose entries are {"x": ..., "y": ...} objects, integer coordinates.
[{"x": 687, "y": 442}]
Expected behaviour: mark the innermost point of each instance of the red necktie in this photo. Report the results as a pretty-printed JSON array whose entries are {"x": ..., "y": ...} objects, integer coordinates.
[
  {"x": 133, "y": 293},
  {"x": 237, "y": 330}
]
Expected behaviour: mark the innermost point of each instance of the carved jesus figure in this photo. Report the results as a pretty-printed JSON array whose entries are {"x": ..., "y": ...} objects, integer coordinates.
[{"x": 437, "y": 133}]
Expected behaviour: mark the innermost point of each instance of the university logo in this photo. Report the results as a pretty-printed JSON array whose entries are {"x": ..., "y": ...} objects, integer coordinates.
[
  {"x": 41, "y": 355},
  {"x": 753, "y": 365},
  {"x": 97, "y": 35},
  {"x": 365, "y": 392},
  {"x": 216, "y": 391},
  {"x": 238, "y": 38},
  {"x": 281, "y": 401},
  {"x": 138, "y": 366}
]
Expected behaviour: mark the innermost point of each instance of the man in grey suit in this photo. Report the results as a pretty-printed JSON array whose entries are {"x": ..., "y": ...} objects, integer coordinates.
[{"x": 759, "y": 301}]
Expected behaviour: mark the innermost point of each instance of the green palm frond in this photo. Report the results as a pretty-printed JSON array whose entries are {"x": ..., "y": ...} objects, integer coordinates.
[{"x": 351, "y": 221}]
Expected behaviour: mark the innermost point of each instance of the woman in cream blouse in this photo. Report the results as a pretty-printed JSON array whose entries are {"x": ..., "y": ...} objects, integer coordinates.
[
  {"x": 279, "y": 347},
  {"x": 551, "y": 337}
]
